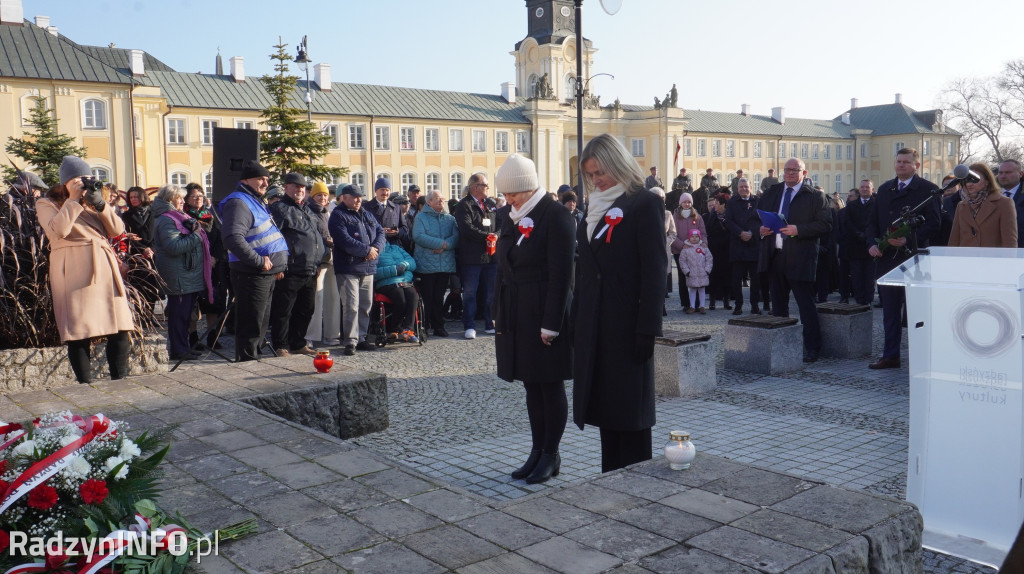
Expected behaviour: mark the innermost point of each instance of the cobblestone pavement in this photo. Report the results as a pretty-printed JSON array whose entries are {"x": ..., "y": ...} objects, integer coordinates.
[{"x": 835, "y": 421}]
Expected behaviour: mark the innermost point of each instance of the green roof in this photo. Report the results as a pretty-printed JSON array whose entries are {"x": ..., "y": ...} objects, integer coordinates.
[
  {"x": 28, "y": 51},
  {"x": 891, "y": 119},
  {"x": 755, "y": 125}
]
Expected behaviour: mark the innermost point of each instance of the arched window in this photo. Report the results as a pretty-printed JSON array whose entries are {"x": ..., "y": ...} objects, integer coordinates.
[
  {"x": 94, "y": 115},
  {"x": 532, "y": 86},
  {"x": 433, "y": 182},
  {"x": 101, "y": 173},
  {"x": 408, "y": 178},
  {"x": 569, "y": 87},
  {"x": 385, "y": 175},
  {"x": 358, "y": 180},
  {"x": 456, "y": 182},
  {"x": 179, "y": 178}
]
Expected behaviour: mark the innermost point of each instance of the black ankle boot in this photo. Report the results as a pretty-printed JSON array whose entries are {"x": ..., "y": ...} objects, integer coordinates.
[
  {"x": 212, "y": 342},
  {"x": 527, "y": 468},
  {"x": 547, "y": 466}
]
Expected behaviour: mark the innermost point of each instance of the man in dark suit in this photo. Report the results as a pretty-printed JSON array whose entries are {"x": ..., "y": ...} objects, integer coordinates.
[
  {"x": 1009, "y": 176},
  {"x": 743, "y": 223},
  {"x": 906, "y": 190},
  {"x": 791, "y": 256},
  {"x": 855, "y": 248}
]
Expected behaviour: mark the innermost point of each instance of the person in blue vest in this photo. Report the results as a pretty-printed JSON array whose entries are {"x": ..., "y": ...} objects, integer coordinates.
[{"x": 257, "y": 257}]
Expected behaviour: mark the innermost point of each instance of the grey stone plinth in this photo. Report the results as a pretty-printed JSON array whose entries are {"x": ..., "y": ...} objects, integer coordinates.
[
  {"x": 769, "y": 351},
  {"x": 346, "y": 409},
  {"x": 845, "y": 335},
  {"x": 684, "y": 364}
]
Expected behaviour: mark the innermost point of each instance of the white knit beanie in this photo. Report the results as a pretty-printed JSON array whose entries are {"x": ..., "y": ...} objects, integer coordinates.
[{"x": 517, "y": 174}]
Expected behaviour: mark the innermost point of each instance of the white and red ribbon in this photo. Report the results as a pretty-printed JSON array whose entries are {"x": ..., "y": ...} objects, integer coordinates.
[
  {"x": 611, "y": 219},
  {"x": 15, "y": 430},
  {"x": 526, "y": 228}
]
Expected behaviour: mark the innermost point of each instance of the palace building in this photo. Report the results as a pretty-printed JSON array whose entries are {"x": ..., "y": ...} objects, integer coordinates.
[{"x": 146, "y": 124}]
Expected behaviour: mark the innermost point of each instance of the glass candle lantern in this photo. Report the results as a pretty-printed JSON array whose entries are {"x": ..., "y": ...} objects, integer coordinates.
[
  {"x": 323, "y": 362},
  {"x": 679, "y": 451}
]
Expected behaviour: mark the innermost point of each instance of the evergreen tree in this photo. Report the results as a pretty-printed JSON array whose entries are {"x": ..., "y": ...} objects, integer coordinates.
[
  {"x": 44, "y": 150},
  {"x": 290, "y": 142}
]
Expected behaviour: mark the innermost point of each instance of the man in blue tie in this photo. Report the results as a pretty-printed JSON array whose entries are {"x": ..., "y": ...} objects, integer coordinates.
[
  {"x": 791, "y": 256},
  {"x": 906, "y": 190}
]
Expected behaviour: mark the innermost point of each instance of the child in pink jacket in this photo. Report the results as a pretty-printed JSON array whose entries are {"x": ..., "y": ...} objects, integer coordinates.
[{"x": 695, "y": 260}]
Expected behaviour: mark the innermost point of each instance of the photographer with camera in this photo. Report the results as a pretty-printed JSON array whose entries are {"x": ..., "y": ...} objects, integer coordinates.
[
  {"x": 182, "y": 257},
  {"x": 89, "y": 297}
]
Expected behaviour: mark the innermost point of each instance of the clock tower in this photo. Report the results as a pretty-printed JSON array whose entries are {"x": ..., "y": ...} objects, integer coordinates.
[{"x": 550, "y": 48}]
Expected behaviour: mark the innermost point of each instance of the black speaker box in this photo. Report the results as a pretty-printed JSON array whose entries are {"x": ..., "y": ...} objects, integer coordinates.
[{"x": 231, "y": 148}]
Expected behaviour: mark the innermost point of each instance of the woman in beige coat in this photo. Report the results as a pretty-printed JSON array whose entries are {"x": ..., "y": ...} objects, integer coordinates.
[
  {"x": 985, "y": 218},
  {"x": 89, "y": 298}
]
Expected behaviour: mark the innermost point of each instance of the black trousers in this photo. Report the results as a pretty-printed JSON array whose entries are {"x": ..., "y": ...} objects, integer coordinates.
[
  {"x": 548, "y": 410},
  {"x": 684, "y": 294},
  {"x": 118, "y": 346},
  {"x": 291, "y": 309},
  {"x": 739, "y": 268},
  {"x": 179, "y": 313},
  {"x": 432, "y": 288},
  {"x": 620, "y": 449},
  {"x": 862, "y": 280},
  {"x": 803, "y": 292},
  {"x": 823, "y": 279},
  {"x": 894, "y": 301},
  {"x": 253, "y": 293},
  {"x": 403, "y": 305}
]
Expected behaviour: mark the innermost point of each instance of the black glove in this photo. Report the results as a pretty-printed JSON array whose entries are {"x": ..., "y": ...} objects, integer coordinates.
[
  {"x": 644, "y": 349},
  {"x": 400, "y": 268},
  {"x": 94, "y": 197},
  {"x": 190, "y": 224}
]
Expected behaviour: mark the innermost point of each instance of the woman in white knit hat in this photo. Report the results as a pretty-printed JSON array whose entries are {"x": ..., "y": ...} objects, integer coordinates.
[
  {"x": 89, "y": 298},
  {"x": 531, "y": 308}
]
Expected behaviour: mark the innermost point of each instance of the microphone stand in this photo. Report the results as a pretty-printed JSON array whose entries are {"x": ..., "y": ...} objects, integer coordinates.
[{"x": 913, "y": 219}]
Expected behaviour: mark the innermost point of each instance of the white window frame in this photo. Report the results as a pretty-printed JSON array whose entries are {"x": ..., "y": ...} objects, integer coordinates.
[
  {"x": 839, "y": 151},
  {"x": 456, "y": 181},
  {"x": 137, "y": 125},
  {"x": 702, "y": 147},
  {"x": 244, "y": 124},
  {"x": 687, "y": 147},
  {"x": 431, "y": 139},
  {"x": 432, "y": 182},
  {"x": 177, "y": 135},
  {"x": 455, "y": 139},
  {"x": 101, "y": 173},
  {"x": 94, "y": 114},
  {"x": 408, "y": 178},
  {"x": 522, "y": 141},
  {"x": 839, "y": 183},
  {"x": 208, "y": 183},
  {"x": 179, "y": 178},
  {"x": 815, "y": 151},
  {"x": 385, "y": 175},
  {"x": 793, "y": 147},
  {"x": 758, "y": 150},
  {"x": 356, "y": 136},
  {"x": 926, "y": 148},
  {"x": 951, "y": 148},
  {"x": 804, "y": 150},
  {"x": 826, "y": 151},
  {"x": 382, "y": 138},
  {"x": 479, "y": 141},
  {"x": 500, "y": 141},
  {"x": 730, "y": 148},
  {"x": 331, "y": 130},
  {"x": 638, "y": 147},
  {"x": 849, "y": 151},
  {"x": 757, "y": 182},
  {"x": 716, "y": 148},
  {"x": 358, "y": 179},
  {"x": 896, "y": 147},
  {"x": 207, "y": 130},
  {"x": 407, "y": 138},
  {"x": 864, "y": 150}
]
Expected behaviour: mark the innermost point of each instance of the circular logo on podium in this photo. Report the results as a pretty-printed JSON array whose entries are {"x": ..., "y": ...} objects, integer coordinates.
[{"x": 985, "y": 328}]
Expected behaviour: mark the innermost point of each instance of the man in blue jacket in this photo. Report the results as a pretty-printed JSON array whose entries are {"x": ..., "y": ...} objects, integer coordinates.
[
  {"x": 257, "y": 255},
  {"x": 358, "y": 242},
  {"x": 295, "y": 294}
]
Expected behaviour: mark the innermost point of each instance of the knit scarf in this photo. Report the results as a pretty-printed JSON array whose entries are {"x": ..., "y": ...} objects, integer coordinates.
[
  {"x": 518, "y": 214},
  {"x": 179, "y": 219},
  {"x": 600, "y": 203},
  {"x": 974, "y": 203}
]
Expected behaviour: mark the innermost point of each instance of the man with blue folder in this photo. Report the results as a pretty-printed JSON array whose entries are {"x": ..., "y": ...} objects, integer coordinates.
[{"x": 791, "y": 255}]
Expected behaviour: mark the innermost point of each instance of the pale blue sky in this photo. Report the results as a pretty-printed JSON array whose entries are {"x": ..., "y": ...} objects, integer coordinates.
[{"x": 807, "y": 55}]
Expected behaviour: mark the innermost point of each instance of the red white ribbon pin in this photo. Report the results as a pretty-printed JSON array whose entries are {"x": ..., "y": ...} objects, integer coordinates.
[
  {"x": 611, "y": 219},
  {"x": 525, "y": 227}
]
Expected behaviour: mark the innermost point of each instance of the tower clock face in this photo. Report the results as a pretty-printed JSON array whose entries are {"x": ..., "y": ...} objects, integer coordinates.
[
  {"x": 566, "y": 11},
  {"x": 539, "y": 12}
]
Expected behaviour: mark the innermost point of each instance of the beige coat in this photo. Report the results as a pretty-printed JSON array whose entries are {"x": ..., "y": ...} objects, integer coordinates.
[
  {"x": 89, "y": 298},
  {"x": 995, "y": 225}
]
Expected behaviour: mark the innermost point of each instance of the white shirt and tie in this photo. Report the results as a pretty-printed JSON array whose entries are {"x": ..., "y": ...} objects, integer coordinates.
[
  {"x": 787, "y": 198},
  {"x": 1011, "y": 192}
]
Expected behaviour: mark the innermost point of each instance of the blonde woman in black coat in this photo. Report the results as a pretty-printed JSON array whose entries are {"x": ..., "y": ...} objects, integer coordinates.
[
  {"x": 531, "y": 308},
  {"x": 620, "y": 290}
]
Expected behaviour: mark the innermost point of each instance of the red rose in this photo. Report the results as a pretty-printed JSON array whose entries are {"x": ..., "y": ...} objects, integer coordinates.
[
  {"x": 93, "y": 491},
  {"x": 5, "y": 540},
  {"x": 42, "y": 497}
]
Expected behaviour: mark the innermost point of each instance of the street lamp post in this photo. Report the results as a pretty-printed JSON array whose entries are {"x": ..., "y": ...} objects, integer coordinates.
[
  {"x": 302, "y": 59},
  {"x": 610, "y": 7}
]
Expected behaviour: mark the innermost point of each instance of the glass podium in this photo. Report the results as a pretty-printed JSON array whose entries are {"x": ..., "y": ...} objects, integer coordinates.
[{"x": 966, "y": 454}]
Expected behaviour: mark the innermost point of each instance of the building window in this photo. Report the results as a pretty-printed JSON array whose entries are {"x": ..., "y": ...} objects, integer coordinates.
[
  {"x": 455, "y": 140},
  {"x": 137, "y": 126},
  {"x": 208, "y": 126},
  {"x": 839, "y": 183},
  {"x": 331, "y": 130},
  {"x": 896, "y": 147},
  {"x": 355, "y": 137},
  {"x": 101, "y": 173},
  {"x": 180, "y": 179},
  {"x": 864, "y": 150},
  {"x": 744, "y": 149},
  {"x": 815, "y": 151},
  {"x": 384, "y": 175},
  {"x": 408, "y": 137},
  {"x": 330, "y": 179},
  {"x": 702, "y": 148},
  {"x": 730, "y": 148},
  {"x": 637, "y": 145},
  {"x": 951, "y": 149},
  {"x": 431, "y": 139},
  {"x": 243, "y": 125},
  {"x": 382, "y": 137},
  {"x": 94, "y": 115},
  {"x": 408, "y": 178},
  {"x": 849, "y": 151},
  {"x": 839, "y": 151},
  {"x": 479, "y": 141},
  {"x": 926, "y": 147},
  {"x": 826, "y": 151},
  {"x": 523, "y": 141},
  {"x": 687, "y": 147},
  {"x": 771, "y": 148},
  {"x": 803, "y": 150},
  {"x": 176, "y": 131},
  {"x": 716, "y": 148},
  {"x": 814, "y": 178},
  {"x": 455, "y": 185},
  {"x": 757, "y": 182},
  {"x": 208, "y": 183},
  {"x": 433, "y": 182},
  {"x": 501, "y": 142},
  {"x": 793, "y": 149},
  {"x": 359, "y": 180}
]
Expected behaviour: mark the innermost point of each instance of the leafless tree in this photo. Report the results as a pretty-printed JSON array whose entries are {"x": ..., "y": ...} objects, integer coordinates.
[
  {"x": 1011, "y": 81},
  {"x": 980, "y": 108}
]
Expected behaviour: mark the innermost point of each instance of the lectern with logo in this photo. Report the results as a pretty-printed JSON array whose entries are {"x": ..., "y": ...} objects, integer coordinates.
[{"x": 966, "y": 454}]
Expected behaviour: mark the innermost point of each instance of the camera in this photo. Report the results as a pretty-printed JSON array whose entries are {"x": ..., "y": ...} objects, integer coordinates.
[{"x": 92, "y": 184}]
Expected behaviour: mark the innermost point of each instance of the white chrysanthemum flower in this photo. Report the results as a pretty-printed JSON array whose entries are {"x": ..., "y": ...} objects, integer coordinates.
[
  {"x": 66, "y": 440},
  {"x": 112, "y": 463},
  {"x": 130, "y": 450},
  {"x": 26, "y": 447},
  {"x": 80, "y": 467}
]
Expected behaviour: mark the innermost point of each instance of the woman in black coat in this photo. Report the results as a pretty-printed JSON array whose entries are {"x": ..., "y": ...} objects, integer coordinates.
[
  {"x": 138, "y": 222},
  {"x": 620, "y": 288},
  {"x": 530, "y": 308},
  {"x": 718, "y": 243}
]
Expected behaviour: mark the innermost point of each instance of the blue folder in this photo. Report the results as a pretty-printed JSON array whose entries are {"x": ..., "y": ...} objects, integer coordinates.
[{"x": 772, "y": 220}]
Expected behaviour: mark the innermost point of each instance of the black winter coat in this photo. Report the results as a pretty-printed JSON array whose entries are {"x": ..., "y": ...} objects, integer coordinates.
[
  {"x": 620, "y": 291},
  {"x": 532, "y": 293},
  {"x": 474, "y": 225},
  {"x": 139, "y": 220},
  {"x": 299, "y": 225},
  {"x": 810, "y": 212},
  {"x": 888, "y": 207},
  {"x": 389, "y": 216},
  {"x": 742, "y": 216},
  {"x": 854, "y": 219}
]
